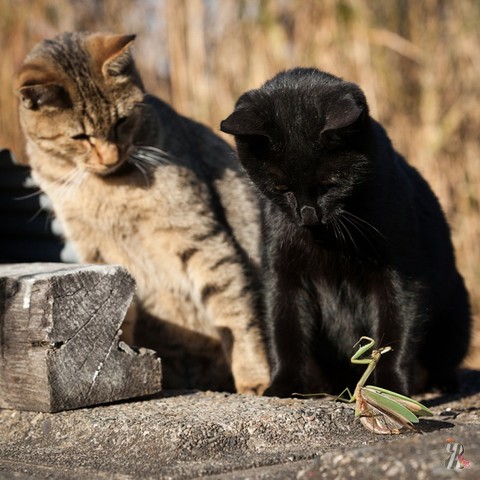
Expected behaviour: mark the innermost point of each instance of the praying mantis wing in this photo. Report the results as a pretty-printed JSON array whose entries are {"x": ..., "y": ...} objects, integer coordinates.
[
  {"x": 416, "y": 407},
  {"x": 388, "y": 413},
  {"x": 381, "y": 422}
]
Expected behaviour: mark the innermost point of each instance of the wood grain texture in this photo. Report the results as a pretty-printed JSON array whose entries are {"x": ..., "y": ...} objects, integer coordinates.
[{"x": 59, "y": 338}]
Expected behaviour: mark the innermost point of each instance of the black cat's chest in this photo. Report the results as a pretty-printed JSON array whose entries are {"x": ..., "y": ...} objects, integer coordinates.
[
  {"x": 339, "y": 276},
  {"x": 341, "y": 291},
  {"x": 345, "y": 297}
]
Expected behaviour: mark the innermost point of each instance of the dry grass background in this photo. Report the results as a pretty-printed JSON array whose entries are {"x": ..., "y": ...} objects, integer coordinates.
[{"x": 418, "y": 62}]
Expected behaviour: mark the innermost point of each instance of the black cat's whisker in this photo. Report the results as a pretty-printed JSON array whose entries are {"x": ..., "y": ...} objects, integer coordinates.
[
  {"x": 345, "y": 228},
  {"x": 358, "y": 219},
  {"x": 353, "y": 216},
  {"x": 360, "y": 228},
  {"x": 338, "y": 233}
]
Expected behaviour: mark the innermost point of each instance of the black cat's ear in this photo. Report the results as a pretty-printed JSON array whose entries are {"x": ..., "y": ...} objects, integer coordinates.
[
  {"x": 37, "y": 88},
  {"x": 342, "y": 113},
  {"x": 110, "y": 53},
  {"x": 243, "y": 122}
]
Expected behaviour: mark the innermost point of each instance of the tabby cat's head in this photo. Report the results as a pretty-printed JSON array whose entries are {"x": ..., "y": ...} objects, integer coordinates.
[
  {"x": 303, "y": 138},
  {"x": 80, "y": 99}
]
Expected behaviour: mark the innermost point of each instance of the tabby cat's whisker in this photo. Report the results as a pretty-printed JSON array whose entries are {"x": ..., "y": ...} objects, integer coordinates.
[
  {"x": 69, "y": 176},
  {"x": 36, "y": 214},
  {"x": 149, "y": 159},
  {"x": 149, "y": 148},
  {"x": 67, "y": 184},
  {"x": 138, "y": 164},
  {"x": 37, "y": 193},
  {"x": 150, "y": 155}
]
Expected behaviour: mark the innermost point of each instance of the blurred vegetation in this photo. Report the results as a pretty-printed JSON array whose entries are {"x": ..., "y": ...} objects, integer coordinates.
[{"x": 418, "y": 62}]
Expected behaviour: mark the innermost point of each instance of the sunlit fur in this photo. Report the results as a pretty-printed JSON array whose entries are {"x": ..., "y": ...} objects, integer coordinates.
[
  {"x": 136, "y": 184},
  {"x": 355, "y": 241}
]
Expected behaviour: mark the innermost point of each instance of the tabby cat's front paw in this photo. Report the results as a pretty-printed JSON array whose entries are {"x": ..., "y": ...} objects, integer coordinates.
[
  {"x": 252, "y": 389},
  {"x": 251, "y": 381}
]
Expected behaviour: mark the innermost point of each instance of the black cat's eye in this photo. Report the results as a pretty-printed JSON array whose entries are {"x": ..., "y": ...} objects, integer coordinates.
[
  {"x": 325, "y": 187},
  {"x": 81, "y": 136},
  {"x": 281, "y": 188}
]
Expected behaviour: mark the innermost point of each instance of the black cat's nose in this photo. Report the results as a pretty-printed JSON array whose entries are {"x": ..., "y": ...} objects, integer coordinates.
[{"x": 308, "y": 215}]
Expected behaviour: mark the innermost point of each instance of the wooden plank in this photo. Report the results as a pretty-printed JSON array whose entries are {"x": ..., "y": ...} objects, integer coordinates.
[{"x": 59, "y": 338}]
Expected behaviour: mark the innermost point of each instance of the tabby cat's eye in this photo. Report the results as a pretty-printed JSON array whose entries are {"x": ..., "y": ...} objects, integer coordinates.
[
  {"x": 281, "y": 188},
  {"x": 81, "y": 136}
]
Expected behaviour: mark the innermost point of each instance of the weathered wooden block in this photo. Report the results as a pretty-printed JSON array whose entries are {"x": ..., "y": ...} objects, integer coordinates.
[{"x": 59, "y": 338}]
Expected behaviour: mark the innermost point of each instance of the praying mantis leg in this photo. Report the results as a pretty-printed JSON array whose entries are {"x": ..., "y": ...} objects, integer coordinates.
[{"x": 359, "y": 359}]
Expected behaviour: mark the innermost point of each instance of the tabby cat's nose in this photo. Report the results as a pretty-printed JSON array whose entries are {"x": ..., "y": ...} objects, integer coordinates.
[{"x": 308, "y": 215}]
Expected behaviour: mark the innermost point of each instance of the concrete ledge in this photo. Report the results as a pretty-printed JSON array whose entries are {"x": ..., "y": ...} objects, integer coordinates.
[{"x": 189, "y": 435}]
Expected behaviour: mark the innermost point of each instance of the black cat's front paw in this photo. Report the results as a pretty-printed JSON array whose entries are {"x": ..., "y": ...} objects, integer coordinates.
[
  {"x": 284, "y": 388},
  {"x": 275, "y": 391}
]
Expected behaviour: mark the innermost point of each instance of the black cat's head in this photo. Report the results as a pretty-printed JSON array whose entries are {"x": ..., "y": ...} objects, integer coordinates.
[{"x": 303, "y": 138}]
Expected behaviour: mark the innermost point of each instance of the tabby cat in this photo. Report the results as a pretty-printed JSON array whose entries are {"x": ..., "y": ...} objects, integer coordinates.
[
  {"x": 134, "y": 183},
  {"x": 355, "y": 241}
]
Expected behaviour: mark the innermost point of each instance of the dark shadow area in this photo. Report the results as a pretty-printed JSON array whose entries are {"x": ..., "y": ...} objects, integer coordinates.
[
  {"x": 28, "y": 232},
  {"x": 469, "y": 382},
  {"x": 190, "y": 360},
  {"x": 469, "y": 385},
  {"x": 427, "y": 425}
]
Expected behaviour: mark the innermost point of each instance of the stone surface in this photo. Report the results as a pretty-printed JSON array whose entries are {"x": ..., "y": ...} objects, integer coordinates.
[{"x": 184, "y": 435}]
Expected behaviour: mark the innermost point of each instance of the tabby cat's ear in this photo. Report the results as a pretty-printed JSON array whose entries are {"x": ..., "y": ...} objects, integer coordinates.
[
  {"x": 243, "y": 122},
  {"x": 343, "y": 112},
  {"x": 37, "y": 88},
  {"x": 110, "y": 53}
]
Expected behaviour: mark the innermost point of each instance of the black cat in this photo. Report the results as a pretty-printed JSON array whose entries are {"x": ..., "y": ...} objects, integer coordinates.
[{"x": 355, "y": 242}]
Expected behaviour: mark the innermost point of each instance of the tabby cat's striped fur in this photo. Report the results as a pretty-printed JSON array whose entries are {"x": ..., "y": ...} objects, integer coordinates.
[{"x": 136, "y": 184}]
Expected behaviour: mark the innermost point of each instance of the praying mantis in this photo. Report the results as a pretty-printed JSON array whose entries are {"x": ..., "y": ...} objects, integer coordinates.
[{"x": 381, "y": 411}]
